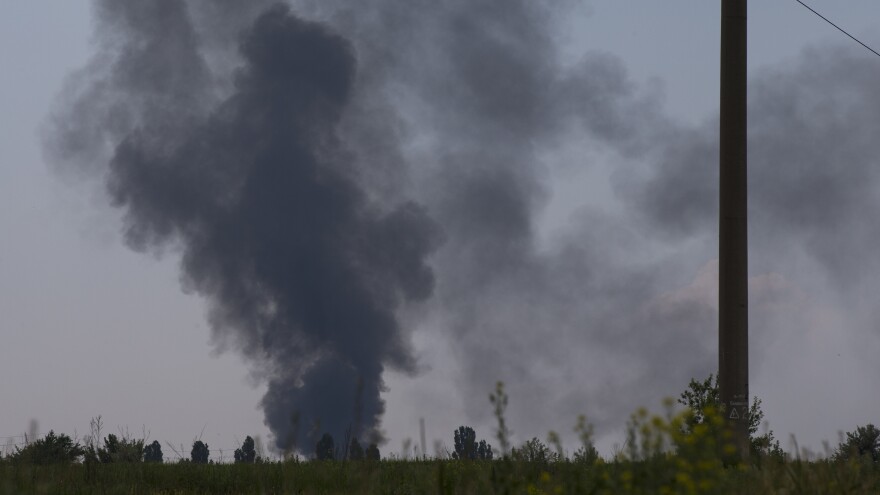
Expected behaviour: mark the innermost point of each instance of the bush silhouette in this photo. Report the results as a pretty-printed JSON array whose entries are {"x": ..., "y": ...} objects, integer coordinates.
[
  {"x": 702, "y": 396},
  {"x": 355, "y": 451},
  {"x": 121, "y": 450},
  {"x": 372, "y": 452},
  {"x": 200, "y": 452},
  {"x": 863, "y": 443},
  {"x": 325, "y": 449},
  {"x": 51, "y": 449},
  {"x": 153, "y": 452},
  {"x": 467, "y": 447},
  {"x": 247, "y": 453}
]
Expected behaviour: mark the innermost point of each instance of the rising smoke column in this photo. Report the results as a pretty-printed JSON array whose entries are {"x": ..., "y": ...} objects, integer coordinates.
[
  {"x": 483, "y": 98},
  {"x": 623, "y": 299},
  {"x": 616, "y": 312},
  {"x": 302, "y": 272}
]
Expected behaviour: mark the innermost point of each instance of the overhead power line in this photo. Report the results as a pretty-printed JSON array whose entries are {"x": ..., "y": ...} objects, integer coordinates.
[{"x": 838, "y": 27}]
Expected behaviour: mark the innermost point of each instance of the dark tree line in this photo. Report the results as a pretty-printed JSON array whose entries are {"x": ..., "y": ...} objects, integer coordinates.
[{"x": 701, "y": 397}]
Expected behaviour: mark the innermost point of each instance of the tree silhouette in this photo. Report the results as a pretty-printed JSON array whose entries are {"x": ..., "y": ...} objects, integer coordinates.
[
  {"x": 153, "y": 452},
  {"x": 200, "y": 452},
  {"x": 465, "y": 443},
  {"x": 51, "y": 449},
  {"x": 484, "y": 451},
  {"x": 864, "y": 443},
  {"x": 247, "y": 453},
  {"x": 325, "y": 449},
  {"x": 355, "y": 451},
  {"x": 106, "y": 454},
  {"x": 121, "y": 450},
  {"x": 703, "y": 396},
  {"x": 372, "y": 453},
  {"x": 466, "y": 446}
]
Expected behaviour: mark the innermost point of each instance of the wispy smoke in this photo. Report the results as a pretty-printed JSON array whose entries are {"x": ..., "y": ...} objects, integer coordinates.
[
  {"x": 284, "y": 166},
  {"x": 617, "y": 309}
]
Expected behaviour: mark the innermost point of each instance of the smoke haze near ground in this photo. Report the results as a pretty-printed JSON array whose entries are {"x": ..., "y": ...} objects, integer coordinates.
[{"x": 435, "y": 134}]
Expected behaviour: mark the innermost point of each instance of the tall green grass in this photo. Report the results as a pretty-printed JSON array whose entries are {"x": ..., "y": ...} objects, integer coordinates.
[
  {"x": 664, "y": 474},
  {"x": 660, "y": 456}
]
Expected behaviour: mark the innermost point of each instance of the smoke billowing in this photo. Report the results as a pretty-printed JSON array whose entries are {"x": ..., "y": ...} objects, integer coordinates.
[
  {"x": 302, "y": 272},
  {"x": 320, "y": 166}
]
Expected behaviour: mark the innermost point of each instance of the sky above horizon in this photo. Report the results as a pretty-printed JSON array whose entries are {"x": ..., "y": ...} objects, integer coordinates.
[{"x": 91, "y": 327}]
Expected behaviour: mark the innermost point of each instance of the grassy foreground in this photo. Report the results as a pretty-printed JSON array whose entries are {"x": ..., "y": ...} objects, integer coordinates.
[
  {"x": 665, "y": 474},
  {"x": 678, "y": 452}
]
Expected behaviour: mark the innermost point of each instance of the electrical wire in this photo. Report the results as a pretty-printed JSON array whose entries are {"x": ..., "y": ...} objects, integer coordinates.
[{"x": 838, "y": 27}]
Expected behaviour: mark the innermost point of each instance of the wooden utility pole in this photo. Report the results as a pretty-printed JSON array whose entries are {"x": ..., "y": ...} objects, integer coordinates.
[{"x": 733, "y": 292}]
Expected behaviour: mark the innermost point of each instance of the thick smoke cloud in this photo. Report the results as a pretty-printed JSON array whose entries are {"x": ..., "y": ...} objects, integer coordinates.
[
  {"x": 282, "y": 166},
  {"x": 490, "y": 100},
  {"x": 618, "y": 309},
  {"x": 302, "y": 273}
]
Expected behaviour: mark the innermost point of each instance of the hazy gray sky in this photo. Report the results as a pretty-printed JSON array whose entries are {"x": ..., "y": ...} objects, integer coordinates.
[{"x": 92, "y": 328}]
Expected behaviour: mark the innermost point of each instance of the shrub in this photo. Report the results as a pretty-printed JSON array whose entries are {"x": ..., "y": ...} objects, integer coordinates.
[
  {"x": 704, "y": 396},
  {"x": 536, "y": 451},
  {"x": 121, "y": 450},
  {"x": 51, "y": 449},
  {"x": 863, "y": 443},
  {"x": 663, "y": 456}
]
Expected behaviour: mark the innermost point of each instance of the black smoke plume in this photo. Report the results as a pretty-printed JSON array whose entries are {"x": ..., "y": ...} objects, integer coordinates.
[
  {"x": 280, "y": 158},
  {"x": 302, "y": 271},
  {"x": 282, "y": 185}
]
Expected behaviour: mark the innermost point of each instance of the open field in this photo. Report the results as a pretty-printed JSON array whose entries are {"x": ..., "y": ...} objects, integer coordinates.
[
  {"x": 661, "y": 475},
  {"x": 676, "y": 452}
]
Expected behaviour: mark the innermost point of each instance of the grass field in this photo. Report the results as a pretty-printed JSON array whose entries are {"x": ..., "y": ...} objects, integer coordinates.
[
  {"x": 668, "y": 474},
  {"x": 666, "y": 453}
]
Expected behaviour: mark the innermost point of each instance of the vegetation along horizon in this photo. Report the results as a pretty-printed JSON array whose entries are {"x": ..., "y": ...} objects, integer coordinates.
[{"x": 683, "y": 450}]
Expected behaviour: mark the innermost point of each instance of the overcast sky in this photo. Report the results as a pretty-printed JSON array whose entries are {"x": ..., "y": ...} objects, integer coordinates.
[{"x": 91, "y": 327}]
